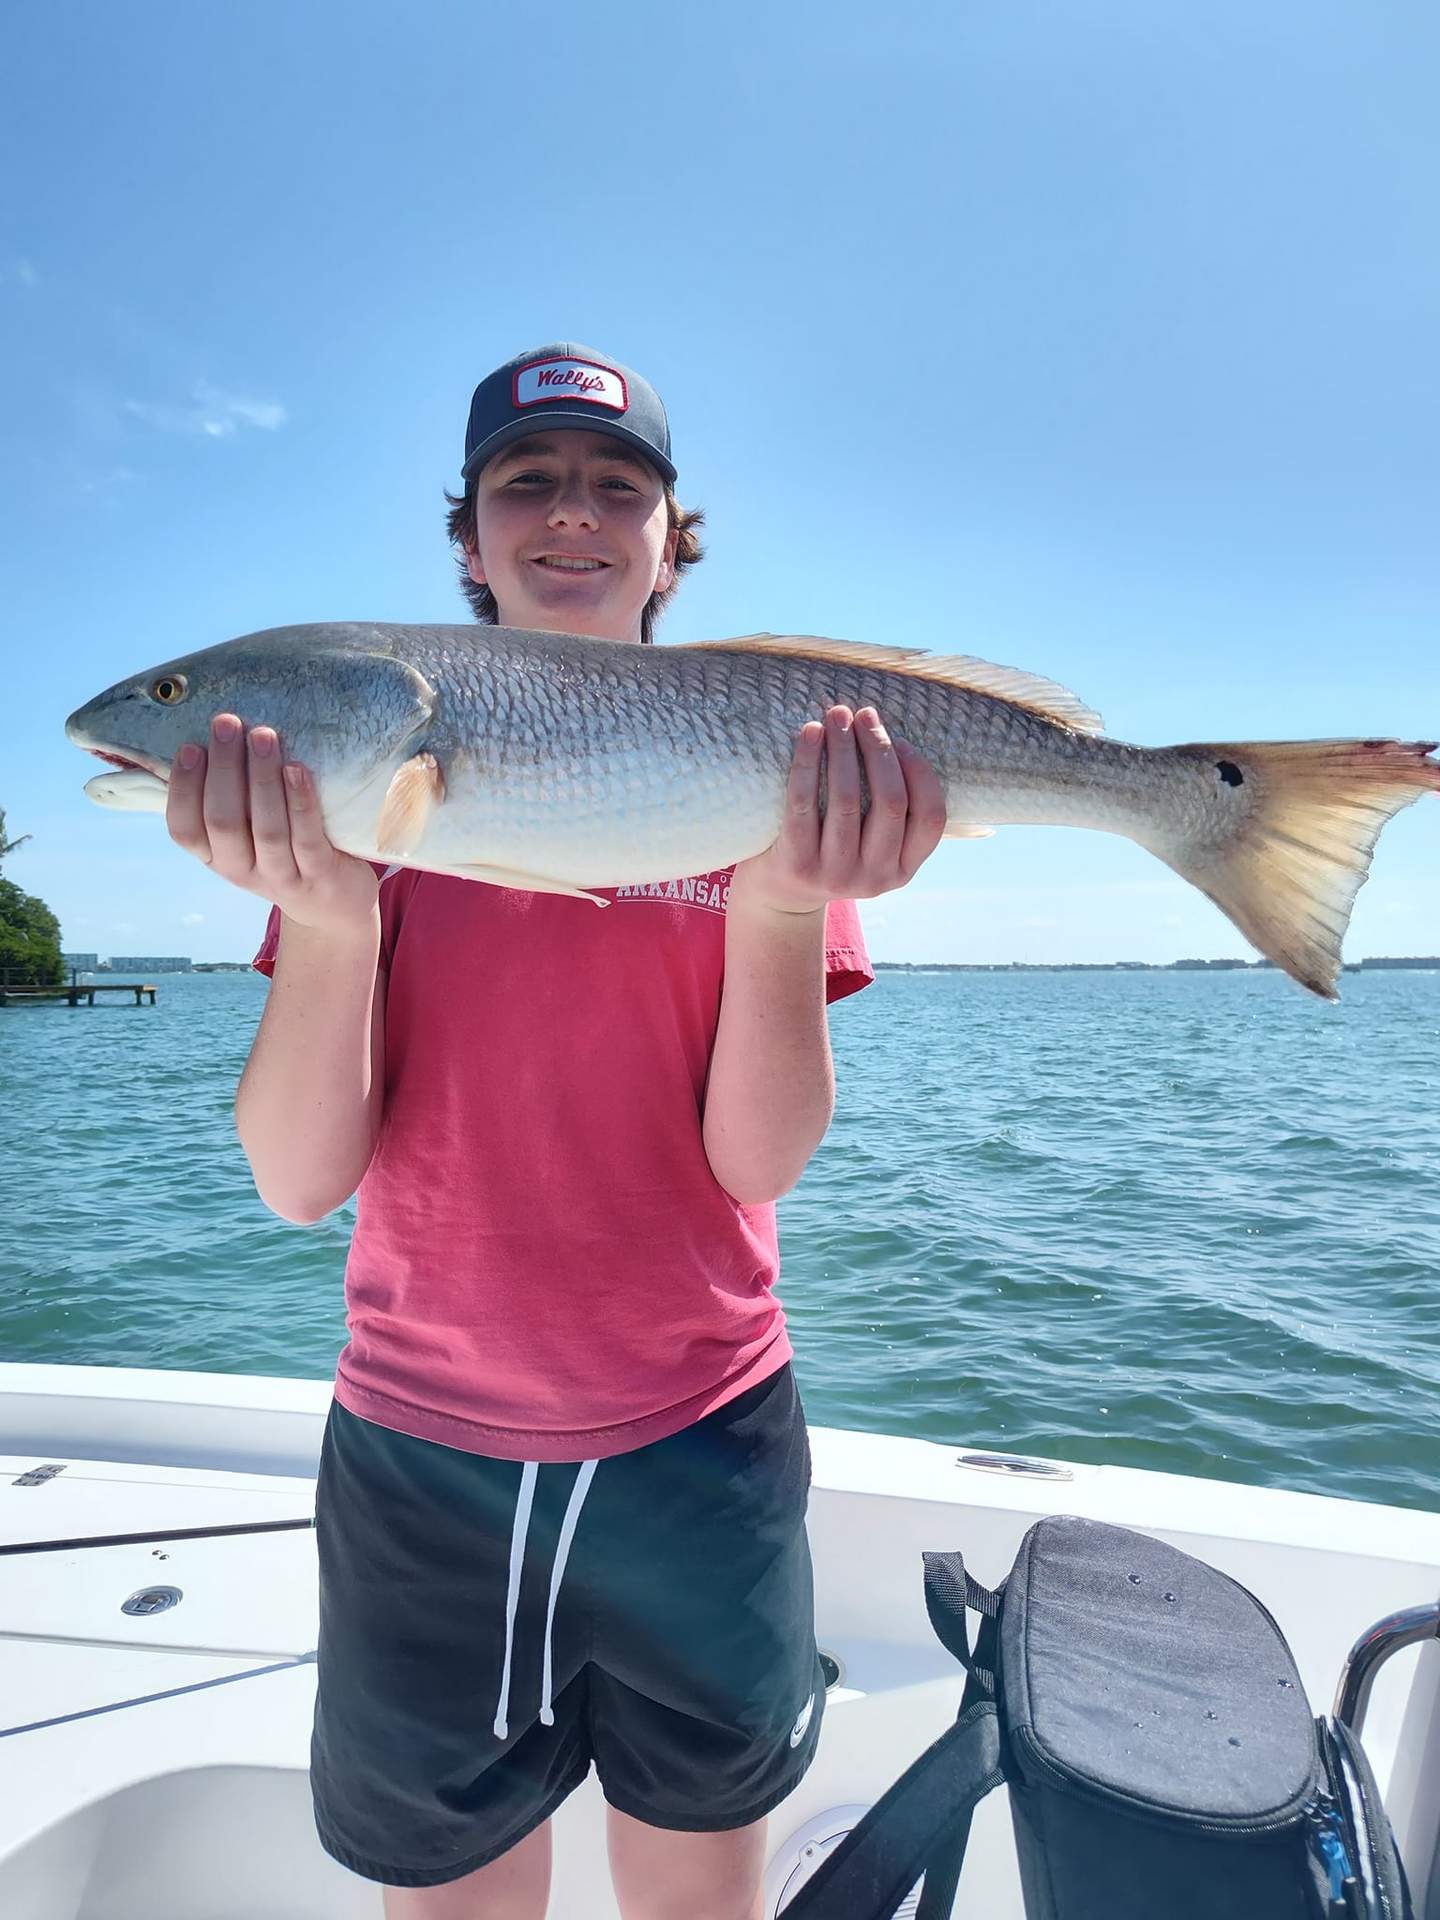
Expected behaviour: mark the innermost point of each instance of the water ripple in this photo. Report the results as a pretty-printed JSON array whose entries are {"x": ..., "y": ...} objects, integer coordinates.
[{"x": 1172, "y": 1221}]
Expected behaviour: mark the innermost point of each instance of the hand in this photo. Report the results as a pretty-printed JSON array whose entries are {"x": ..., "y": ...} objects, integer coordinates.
[
  {"x": 845, "y": 857},
  {"x": 256, "y": 822}
]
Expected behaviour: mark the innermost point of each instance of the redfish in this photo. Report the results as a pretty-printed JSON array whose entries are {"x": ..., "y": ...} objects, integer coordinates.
[{"x": 559, "y": 763}]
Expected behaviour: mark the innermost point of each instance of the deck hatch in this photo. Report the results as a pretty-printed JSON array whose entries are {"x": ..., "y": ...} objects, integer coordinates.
[
  {"x": 37, "y": 1476},
  {"x": 152, "y": 1600}
]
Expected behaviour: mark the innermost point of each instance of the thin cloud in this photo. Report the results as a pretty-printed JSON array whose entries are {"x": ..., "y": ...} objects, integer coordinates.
[
  {"x": 192, "y": 919},
  {"x": 211, "y": 413},
  {"x": 25, "y": 273},
  {"x": 109, "y": 481}
]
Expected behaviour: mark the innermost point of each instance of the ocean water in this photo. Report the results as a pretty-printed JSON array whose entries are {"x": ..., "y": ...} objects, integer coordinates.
[{"x": 1181, "y": 1221}]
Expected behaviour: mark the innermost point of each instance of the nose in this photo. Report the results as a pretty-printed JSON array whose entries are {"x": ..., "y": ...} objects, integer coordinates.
[{"x": 574, "y": 504}]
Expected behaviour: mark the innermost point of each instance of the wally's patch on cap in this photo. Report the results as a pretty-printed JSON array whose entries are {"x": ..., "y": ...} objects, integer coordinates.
[
  {"x": 566, "y": 384},
  {"x": 545, "y": 381}
]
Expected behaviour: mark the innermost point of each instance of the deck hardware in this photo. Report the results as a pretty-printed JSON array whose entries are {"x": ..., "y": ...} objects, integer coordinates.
[
  {"x": 146, "y": 1539},
  {"x": 152, "y": 1600},
  {"x": 37, "y": 1476},
  {"x": 1014, "y": 1463},
  {"x": 830, "y": 1666}
]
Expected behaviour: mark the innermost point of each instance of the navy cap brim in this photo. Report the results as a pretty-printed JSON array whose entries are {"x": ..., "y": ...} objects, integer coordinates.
[{"x": 561, "y": 419}]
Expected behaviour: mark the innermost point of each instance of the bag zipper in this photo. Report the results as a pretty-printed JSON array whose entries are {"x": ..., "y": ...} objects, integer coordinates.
[
  {"x": 1319, "y": 1814},
  {"x": 1328, "y": 1839},
  {"x": 1283, "y": 1822}
]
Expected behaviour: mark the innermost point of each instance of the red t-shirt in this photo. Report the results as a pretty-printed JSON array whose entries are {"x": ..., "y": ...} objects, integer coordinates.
[{"x": 543, "y": 1265}]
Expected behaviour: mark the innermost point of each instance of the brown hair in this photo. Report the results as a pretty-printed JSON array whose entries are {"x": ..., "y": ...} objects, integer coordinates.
[{"x": 460, "y": 527}]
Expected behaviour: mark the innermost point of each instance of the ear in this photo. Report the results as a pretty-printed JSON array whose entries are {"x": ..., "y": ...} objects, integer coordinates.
[
  {"x": 474, "y": 568},
  {"x": 665, "y": 572}
]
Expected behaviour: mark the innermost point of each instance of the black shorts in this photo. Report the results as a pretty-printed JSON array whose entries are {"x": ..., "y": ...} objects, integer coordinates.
[{"x": 462, "y": 1696}]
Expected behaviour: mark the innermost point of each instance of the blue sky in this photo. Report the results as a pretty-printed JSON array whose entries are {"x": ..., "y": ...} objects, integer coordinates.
[{"x": 1096, "y": 339}]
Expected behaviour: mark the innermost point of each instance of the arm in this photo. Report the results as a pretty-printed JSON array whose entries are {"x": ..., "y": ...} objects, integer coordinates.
[
  {"x": 309, "y": 1104},
  {"x": 771, "y": 1088},
  {"x": 310, "y": 1099}
]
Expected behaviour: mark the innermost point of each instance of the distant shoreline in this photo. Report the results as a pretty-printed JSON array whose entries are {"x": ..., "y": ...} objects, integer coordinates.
[
  {"x": 1415, "y": 963},
  {"x": 1419, "y": 963}
]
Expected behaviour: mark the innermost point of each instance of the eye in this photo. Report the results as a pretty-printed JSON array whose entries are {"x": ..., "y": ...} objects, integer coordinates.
[
  {"x": 520, "y": 479},
  {"x": 170, "y": 689}
]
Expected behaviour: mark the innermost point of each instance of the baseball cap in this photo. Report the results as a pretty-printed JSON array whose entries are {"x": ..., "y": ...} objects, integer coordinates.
[{"x": 565, "y": 385}]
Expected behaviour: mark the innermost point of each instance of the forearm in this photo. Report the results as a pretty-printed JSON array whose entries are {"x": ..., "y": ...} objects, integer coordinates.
[
  {"x": 309, "y": 1102},
  {"x": 771, "y": 1090}
]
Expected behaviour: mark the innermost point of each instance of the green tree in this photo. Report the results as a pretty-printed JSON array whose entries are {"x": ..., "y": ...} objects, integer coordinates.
[
  {"x": 29, "y": 931},
  {"x": 9, "y": 846}
]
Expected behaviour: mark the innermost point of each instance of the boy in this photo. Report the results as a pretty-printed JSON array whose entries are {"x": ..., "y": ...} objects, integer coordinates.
[{"x": 561, "y": 1505}]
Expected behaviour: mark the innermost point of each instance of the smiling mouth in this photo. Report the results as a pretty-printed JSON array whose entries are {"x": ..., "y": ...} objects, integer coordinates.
[{"x": 569, "y": 563}]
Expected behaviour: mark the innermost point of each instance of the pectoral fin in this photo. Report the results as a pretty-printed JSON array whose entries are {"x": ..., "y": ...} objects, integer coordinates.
[{"x": 412, "y": 796}]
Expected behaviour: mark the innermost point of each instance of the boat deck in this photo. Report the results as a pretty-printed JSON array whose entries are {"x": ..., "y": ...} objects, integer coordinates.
[{"x": 156, "y": 1762}]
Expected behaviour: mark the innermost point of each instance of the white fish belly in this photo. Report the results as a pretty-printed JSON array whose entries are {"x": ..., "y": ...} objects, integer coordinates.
[{"x": 639, "y": 812}]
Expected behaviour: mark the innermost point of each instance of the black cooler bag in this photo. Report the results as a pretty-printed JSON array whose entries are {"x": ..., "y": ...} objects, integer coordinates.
[{"x": 1162, "y": 1760}]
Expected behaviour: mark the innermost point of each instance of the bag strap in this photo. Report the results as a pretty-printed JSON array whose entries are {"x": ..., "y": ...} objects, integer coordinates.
[
  {"x": 922, "y": 1823},
  {"x": 882, "y": 1857},
  {"x": 949, "y": 1590}
]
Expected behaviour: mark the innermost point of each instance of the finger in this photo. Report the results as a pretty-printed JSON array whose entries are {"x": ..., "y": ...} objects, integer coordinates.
[
  {"x": 269, "y": 815},
  {"x": 926, "y": 821},
  {"x": 312, "y": 847},
  {"x": 840, "y": 838},
  {"x": 883, "y": 833},
  {"x": 185, "y": 801},
  {"x": 799, "y": 820},
  {"x": 227, "y": 809}
]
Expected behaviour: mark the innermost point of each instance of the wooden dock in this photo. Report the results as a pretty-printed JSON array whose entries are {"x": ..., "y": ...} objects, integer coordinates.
[{"x": 76, "y": 992}]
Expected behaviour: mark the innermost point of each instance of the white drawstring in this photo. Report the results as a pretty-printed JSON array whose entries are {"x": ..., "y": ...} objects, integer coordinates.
[
  {"x": 518, "y": 1534},
  {"x": 562, "y": 1554},
  {"x": 512, "y": 1598}
]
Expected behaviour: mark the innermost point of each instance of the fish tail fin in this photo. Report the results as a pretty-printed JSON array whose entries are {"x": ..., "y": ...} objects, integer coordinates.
[{"x": 1289, "y": 876}]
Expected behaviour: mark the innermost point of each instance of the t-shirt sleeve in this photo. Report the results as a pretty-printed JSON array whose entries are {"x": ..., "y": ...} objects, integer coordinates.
[
  {"x": 847, "y": 964},
  {"x": 264, "y": 961},
  {"x": 390, "y": 898}
]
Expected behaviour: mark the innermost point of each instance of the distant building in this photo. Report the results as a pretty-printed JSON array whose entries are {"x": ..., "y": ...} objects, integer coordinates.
[
  {"x": 150, "y": 963},
  {"x": 80, "y": 962}
]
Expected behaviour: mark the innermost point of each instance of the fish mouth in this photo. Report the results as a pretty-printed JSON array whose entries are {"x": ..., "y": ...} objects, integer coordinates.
[{"x": 132, "y": 762}]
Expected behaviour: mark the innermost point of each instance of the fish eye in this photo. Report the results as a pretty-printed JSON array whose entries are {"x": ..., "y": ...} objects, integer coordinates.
[{"x": 170, "y": 689}]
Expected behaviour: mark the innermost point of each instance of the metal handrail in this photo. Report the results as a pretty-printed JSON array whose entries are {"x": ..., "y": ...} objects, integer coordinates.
[{"x": 1407, "y": 1628}]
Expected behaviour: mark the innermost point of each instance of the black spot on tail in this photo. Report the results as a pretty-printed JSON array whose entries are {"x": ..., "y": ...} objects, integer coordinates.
[{"x": 1230, "y": 773}]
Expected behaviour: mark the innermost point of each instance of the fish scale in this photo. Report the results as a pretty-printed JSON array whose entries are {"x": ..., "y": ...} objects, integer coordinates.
[{"x": 564, "y": 763}]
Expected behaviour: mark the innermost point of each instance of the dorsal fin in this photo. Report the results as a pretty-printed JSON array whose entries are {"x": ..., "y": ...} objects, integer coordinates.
[{"x": 1021, "y": 689}]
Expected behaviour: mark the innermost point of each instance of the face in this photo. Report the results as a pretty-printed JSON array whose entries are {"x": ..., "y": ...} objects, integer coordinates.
[{"x": 571, "y": 534}]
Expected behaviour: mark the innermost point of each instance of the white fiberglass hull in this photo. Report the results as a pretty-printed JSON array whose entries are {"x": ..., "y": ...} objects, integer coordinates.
[{"x": 157, "y": 1763}]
